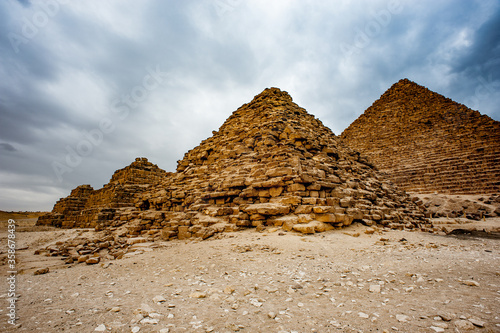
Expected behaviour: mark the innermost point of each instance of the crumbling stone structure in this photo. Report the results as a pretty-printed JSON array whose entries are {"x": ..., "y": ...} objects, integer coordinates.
[
  {"x": 88, "y": 208},
  {"x": 425, "y": 142},
  {"x": 270, "y": 164}
]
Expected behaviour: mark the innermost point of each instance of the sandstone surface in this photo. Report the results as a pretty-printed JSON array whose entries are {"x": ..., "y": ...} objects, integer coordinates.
[{"x": 427, "y": 143}]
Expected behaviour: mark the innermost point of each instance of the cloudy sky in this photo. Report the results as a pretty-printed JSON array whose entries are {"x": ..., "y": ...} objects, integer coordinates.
[{"x": 87, "y": 86}]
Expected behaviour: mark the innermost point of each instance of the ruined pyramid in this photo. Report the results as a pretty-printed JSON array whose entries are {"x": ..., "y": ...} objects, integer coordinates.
[
  {"x": 88, "y": 208},
  {"x": 270, "y": 164},
  {"x": 425, "y": 142}
]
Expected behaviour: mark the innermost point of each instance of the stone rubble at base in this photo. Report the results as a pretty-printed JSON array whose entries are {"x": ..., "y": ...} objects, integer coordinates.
[{"x": 270, "y": 164}]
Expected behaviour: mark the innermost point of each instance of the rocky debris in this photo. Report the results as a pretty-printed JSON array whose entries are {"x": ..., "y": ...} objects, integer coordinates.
[
  {"x": 100, "y": 328},
  {"x": 159, "y": 299},
  {"x": 410, "y": 123},
  {"x": 464, "y": 325},
  {"x": 264, "y": 282},
  {"x": 455, "y": 206},
  {"x": 477, "y": 322},
  {"x": 270, "y": 165},
  {"x": 93, "y": 260},
  {"x": 41, "y": 271},
  {"x": 471, "y": 283},
  {"x": 402, "y": 318},
  {"x": 198, "y": 294},
  {"x": 97, "y": 247}
]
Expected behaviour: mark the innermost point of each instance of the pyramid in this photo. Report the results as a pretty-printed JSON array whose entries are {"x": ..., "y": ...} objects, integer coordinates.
[
  {"x": 270, "y": 164},
  {"x": 88, "y": 208},
  {"x": 425, "y": 142}
]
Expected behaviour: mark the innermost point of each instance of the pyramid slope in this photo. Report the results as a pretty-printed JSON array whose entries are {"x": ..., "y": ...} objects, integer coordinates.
[
  {"x": 270, "y": 164},
  {"x": 425, "y": 142}
]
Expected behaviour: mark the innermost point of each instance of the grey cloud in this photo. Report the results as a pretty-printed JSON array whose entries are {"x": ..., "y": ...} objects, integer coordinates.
[
  {"x": 25, "y": 3},
  {"x": 483, "y": 55},
  {"x": 7, "y": 147},
  {"x": 66, "y": 79}
]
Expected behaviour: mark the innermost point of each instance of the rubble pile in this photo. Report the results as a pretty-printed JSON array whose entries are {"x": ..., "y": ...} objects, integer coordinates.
[{"x": 270, "y": 164}]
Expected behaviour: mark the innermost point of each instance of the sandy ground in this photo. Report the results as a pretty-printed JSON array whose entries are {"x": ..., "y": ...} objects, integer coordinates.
[{"x": 393, "y": 281}]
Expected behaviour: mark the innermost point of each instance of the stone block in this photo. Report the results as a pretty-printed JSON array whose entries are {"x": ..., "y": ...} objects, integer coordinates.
[{"x": 267, "y": 209}]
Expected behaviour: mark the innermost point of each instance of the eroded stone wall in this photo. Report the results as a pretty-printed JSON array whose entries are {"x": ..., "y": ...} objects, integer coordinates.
[{"x": 88, "y": 208}]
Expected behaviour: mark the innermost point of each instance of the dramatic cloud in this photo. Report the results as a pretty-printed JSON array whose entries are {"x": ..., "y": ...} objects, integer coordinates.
[{"x": 87, "y": 86}]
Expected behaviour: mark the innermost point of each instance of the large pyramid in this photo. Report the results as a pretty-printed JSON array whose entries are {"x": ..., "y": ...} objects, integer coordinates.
[
  {"x": 425, "y": 142},
  {"x": 270, "y": 164}
]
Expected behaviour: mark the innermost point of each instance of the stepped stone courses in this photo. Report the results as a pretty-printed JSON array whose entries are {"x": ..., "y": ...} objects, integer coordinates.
[
  {"x": 425, "y": 142},
  {"x": 270, "y": 164},
  {"x": 89, "y": 208}
]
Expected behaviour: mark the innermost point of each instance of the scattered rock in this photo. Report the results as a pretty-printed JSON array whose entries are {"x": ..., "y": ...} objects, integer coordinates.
[
  {"x": 198, "y": 294},
  {"x": 477, "y": 322},
  {"x": 445, "y": 316},
  {"x": 229, "y": 290},
  {"x": 159, "y": 299},
  {"x": 41, "y": 271},
  {"x": 83, "y": 258},
  {"x": 471, "y": 283},
  {"x": 93, "y": 260},
  {"x": 152, "y": 321},
  {"x": 100, "y": 328},
  {"x": 464, "y": 324},
  {"x": 369, "y": 231},
  {"x": 255, "y": 302},
  {"x": 402, "y": 318}
]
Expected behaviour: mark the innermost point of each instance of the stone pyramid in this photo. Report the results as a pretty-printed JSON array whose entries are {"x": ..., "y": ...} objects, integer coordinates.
[
  {"x": 425, "y": 142},
  {"x": 270, "y": 164},
  {"x": 88, "y": 208}
]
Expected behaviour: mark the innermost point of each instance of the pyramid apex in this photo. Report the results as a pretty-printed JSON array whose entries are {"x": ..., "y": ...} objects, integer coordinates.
[
  {"x": 273, "y": 93},
  {"x": 405, "y": 82}
]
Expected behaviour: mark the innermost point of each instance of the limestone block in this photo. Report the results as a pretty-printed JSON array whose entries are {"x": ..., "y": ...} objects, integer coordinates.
[
  {"x": 304, "y": 209},
  {"x": 305, "y": 218},
  {"x": 308, "y": 228},
  {"x": 275, "y": 191},
  {"x": 183, "y": 232},
  {"x": 279, "y": 221},
  {"x": 323, "y": 209},
  {"x": 296, "y": 187},
  {"x": 267, "y": 209}
]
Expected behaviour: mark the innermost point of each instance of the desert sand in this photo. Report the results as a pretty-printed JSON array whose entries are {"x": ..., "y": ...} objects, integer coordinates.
[{"x": 357, "y": 279}]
